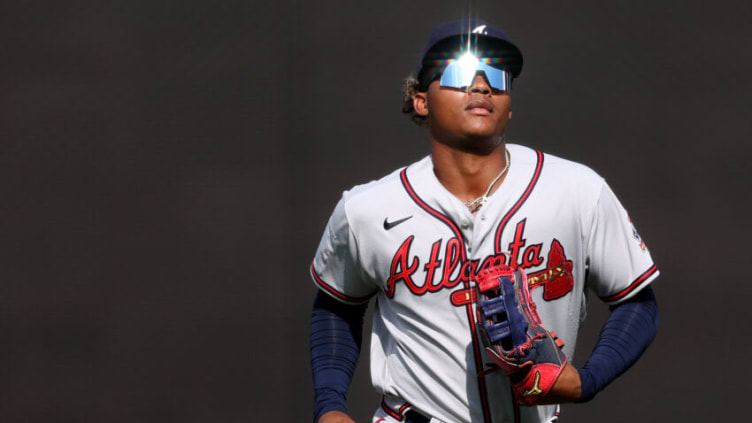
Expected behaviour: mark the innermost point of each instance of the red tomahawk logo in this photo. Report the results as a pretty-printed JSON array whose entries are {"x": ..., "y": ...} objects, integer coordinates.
[{"x": 556, "y": 278}]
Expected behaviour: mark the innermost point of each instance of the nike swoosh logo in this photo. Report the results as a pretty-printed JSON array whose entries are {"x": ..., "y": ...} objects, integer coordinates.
[{"x": 389, "y": 225}]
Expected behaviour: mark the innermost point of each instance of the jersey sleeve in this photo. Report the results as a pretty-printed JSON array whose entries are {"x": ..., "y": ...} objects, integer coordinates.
[
  {"x": 336, "y": 267},
  {"x": 619, "y": 263}
]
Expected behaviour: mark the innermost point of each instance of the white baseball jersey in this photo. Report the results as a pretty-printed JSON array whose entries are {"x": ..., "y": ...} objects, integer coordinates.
[{"x": 410, "y": 242}]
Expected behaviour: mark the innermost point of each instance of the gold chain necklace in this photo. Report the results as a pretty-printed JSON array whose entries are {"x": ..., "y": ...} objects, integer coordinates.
[{"x": 476, "y": 204}]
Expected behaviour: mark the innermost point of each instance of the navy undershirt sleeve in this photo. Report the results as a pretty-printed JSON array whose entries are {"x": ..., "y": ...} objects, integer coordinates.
[
  {"x": 336, "y": 337},
  {"x": 627, "y": 333}
]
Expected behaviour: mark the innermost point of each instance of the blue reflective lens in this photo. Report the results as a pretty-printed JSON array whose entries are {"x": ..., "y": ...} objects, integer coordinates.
[{"x": 461, "y": 73}]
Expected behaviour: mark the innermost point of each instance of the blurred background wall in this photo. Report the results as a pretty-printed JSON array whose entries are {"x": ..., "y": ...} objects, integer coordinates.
[{"x": 167, "y": 169}]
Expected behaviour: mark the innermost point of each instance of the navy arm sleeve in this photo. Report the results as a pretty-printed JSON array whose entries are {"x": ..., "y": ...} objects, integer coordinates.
[
  {"x": 335, "y": 339},
  {"x": 627, "y": 333}
]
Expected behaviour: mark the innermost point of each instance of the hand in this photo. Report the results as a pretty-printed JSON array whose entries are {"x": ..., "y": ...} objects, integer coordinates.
[
  {"x": 568, "y": 387},
  {"x": 335, "y": 417}
]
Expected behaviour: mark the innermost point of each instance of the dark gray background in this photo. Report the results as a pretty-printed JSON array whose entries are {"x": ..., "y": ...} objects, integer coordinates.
[{"x": 167, "y": 168}]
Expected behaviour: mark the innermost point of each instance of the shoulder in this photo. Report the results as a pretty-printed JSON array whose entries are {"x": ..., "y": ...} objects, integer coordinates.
[
  {"x": 557, "y": 170},
  {"x": 573, "y": 171},
  {"x": 570, "y": 185},
  {"x": 555, "y": 163},
  {"x": 375, "y": 196}
]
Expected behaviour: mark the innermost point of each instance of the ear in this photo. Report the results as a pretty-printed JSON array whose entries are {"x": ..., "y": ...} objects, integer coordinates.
[
  {"x": 510, "y": 114},
  {"x": 420, "y": 103}
]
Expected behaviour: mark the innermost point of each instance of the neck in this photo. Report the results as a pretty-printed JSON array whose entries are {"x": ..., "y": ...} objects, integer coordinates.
[{"x": 465, "y": 174}]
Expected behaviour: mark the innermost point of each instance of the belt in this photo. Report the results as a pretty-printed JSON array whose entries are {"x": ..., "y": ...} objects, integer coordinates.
[{"x": 413, "y": 416}]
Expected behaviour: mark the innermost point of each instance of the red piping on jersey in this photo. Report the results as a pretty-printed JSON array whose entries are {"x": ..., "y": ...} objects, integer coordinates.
[
  {"x": 640, "y": 279},
  {"x": 469, "y": 307},
  {"x": 518, "y": 204},
  {"x": 331, "y": 290},
  {"x": 396, "y": 414}
]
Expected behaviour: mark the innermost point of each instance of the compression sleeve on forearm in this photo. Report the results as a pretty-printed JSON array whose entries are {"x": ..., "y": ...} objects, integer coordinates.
[
  {"x": 627, "y": 333},
  {"x": 336, "y": 336}
]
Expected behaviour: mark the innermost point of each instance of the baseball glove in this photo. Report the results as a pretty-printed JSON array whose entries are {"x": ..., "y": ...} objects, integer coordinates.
[{"x": 513, "y": 336}]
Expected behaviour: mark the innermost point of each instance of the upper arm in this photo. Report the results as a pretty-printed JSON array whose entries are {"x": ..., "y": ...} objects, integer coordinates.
[
  {"x": 337, "y": 268},
  {"x": 620, "y": 264}
]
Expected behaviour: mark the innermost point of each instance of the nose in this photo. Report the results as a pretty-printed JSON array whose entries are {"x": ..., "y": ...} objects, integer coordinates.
[{"x": 479, "y": 85}]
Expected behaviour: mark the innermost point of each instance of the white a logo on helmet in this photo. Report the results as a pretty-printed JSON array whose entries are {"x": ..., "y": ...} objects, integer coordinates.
[{"x": 480, "y": 30}]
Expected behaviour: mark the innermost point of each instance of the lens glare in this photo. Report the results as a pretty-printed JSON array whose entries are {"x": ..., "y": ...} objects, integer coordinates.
[{"x": 460, "y": 73}]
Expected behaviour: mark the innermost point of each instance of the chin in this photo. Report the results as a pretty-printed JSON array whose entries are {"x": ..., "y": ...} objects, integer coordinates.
[{"x": 483, "y": 133}]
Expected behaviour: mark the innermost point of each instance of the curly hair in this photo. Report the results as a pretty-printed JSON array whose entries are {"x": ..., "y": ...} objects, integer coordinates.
[{"x": 409, "y": 89}]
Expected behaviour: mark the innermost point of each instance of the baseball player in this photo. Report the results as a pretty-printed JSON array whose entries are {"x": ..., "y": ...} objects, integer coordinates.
[{"x": 420, "y": 238}]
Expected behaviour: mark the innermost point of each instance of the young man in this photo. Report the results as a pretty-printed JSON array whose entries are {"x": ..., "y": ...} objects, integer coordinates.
[{"x": 417, "y": 239}]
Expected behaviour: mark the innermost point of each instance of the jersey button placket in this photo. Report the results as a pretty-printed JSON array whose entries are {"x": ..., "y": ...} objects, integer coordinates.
[
  {"x": 467, "y": 233},
  {"x": 470, "y": 229},
  {"x": 475, "y": 238}
]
